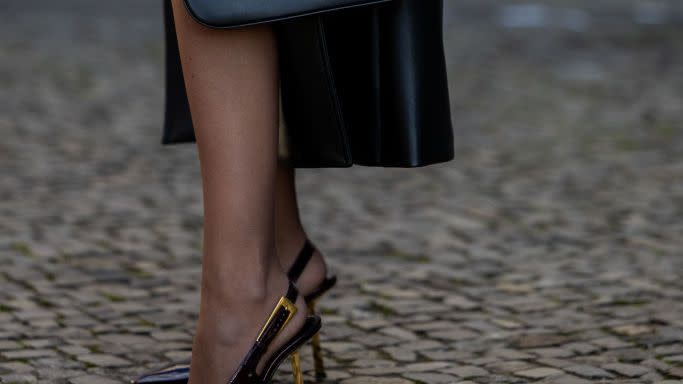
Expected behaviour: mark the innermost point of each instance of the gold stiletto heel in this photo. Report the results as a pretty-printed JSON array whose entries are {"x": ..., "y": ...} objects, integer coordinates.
[
  {"x": 317, "y": 350},
  {"x": 296, "y": 368}
]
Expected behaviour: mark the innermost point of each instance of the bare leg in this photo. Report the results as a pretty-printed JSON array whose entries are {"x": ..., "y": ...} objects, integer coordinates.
[
  {"x": 290, "y": 234},
  {"x": 231, "y": 79}
]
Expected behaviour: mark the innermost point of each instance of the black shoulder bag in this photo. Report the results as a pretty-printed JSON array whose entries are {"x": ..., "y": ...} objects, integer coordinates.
[{"x": 239, "y": 13}]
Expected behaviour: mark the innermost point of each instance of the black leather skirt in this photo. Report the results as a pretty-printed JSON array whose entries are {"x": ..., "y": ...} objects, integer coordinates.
[{"x": 365, "y": 86}]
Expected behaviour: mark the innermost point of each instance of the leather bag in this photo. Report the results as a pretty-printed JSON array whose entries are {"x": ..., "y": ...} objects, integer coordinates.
[{"x": 239, "y": 13}]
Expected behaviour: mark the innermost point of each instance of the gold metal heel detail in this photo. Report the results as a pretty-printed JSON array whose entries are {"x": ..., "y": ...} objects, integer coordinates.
[
  {"x": 317, "y": 350},
  {"x": 296, "y": 368}
]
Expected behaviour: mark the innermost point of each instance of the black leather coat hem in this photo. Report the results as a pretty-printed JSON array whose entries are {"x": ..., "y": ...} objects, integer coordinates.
[{"x": 365, "y": 86}]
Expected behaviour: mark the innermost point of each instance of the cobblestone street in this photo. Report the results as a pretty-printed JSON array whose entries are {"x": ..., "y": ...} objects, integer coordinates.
[{"x": 550, "y": 249}]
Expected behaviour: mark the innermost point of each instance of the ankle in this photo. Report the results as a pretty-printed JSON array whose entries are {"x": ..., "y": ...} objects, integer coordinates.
[
  {"x": 248, "y": 279},
  {"x": 241, "y": 289},
  {"x": 233, "y": 291},
  {"x": 288, "y": 245},
  {"x": 225, "y": 316}
]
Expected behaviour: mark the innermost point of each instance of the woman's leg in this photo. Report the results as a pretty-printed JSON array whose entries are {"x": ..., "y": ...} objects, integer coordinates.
[
  {"x": 289, "y": 232},
  {"x": 232, "y": 85}
]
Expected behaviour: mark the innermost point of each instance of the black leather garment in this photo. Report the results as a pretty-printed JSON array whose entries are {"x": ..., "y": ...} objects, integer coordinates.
[{"x": 364, "y": 86}]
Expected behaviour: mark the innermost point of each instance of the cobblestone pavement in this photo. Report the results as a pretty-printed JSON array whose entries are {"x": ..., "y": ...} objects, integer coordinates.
[{"x": 548, "y": 251}]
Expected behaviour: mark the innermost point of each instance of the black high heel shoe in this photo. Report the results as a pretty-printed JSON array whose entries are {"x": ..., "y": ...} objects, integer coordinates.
[
  {"x": 246, "y": 372},
  {"x": 277, "y": 321},
  {"x": 180, "y": 373}
]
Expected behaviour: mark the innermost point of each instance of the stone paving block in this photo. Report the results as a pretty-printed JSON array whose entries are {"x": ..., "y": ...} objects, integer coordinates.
[
  {"x": 355, "y": 355},
  {"x": 460, "y": 303},
  {"x": 538, "y": 373},
  {"x": 376, "y": 380},
  {"x": 676, "y": 372},
  {"x": 92, "y": 379},
  {"x": 432, "y": 378},
  {"x": 628, "y": 370},
  {"x": 377, "y": 340},
  {"x": 33, "y": 314},
  {"x": 337, "y": 347},
  {"x": 59, "y": 362},
  {"x": 377, "y": 371},
  {"x": 510, "y": 354},
  {"x": 370, "y": 324},
  {"x": 555, "y": 362},
  {"x": 57, "y": 375},
  {"x": 582, "y": 348},
  {"x": 375, "y": 363},
  {"x": 399, "y": 333},
  {"x": 19, "y": 378},
  {"x": 178, "y": 355},
  {"x": 103, "y": 360},
  {"x": 610, "y": 343},
  {"x": 8, "y": 345},
  {"x": 651, "y": 377},
  {"x": 676, "y": 359},
  {"x": 467, "y": 371},
  {"x": 15, "y": 367},
  {"x": 171, "y": 336},
  {"x": 510, "y": 366},
  {"x": 589, "y": 372},
  {"x": 401, "y": 354},
  {"x": 444, "y": 354},
  {"x": 567, "y": 379},
  {"x": 422, "y": 345},
  {"x": 672, "y": 349},
  {"x": 633, "y": 330},
  {"x": 40, "y": 343},
  {"x": 551, "y": 352},
  {"x": 453, "y": 335},
  {"x": 133, "y": 341},
  {"x": 27, "y": 354},
  {"x": 628, "y": 355},
  {"x": 540, "y": 340},
  {"x": 428, "y": 366},
  {"x": 336, "y": 376}
]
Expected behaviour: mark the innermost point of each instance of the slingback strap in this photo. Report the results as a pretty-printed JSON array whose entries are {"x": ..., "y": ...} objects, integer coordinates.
[
  {"x": 301, "y": 260},
  {"x": 278, "y": 319}
]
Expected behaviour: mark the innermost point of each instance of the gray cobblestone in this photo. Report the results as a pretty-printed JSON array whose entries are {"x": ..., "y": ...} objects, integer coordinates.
[
  {"x": 19, "y": 378},
  {"x": 103, "y": 360},
  {"x": 628, "y": 370},
  {"x": 589, "y": 372},
  {"x": 433, "y": 378},
  {"x": 28, "y": 354},
  {"x": 92, "y": 379},
  {"x": 375, "y": 380},
  {"x": 568, "y": 379},
  {"x": 538, "y": 373},
  {"x": 467, "y": 372}
]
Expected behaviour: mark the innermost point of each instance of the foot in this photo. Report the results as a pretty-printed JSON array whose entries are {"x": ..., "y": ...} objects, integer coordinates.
[
  {"x": 226, "y": 332},
  {"x": 316, "y": 269}
]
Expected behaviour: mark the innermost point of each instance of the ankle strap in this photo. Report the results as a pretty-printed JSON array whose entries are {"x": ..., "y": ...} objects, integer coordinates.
[
  {"x": 301, "y": 260},
  {"x": 278, "y": 319}
]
